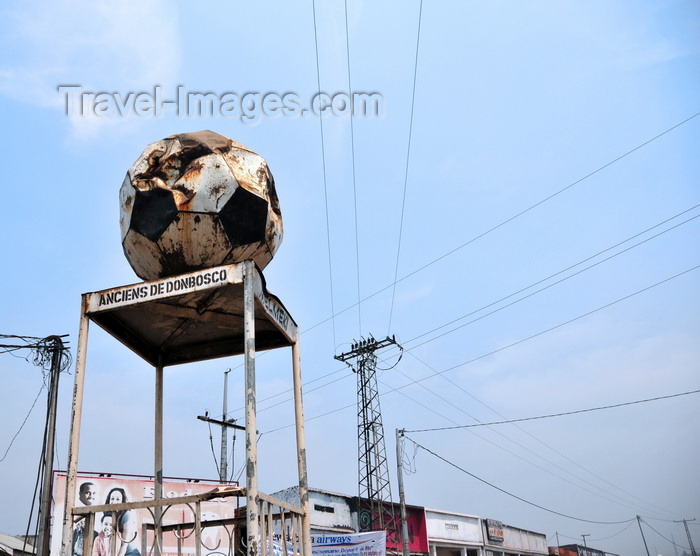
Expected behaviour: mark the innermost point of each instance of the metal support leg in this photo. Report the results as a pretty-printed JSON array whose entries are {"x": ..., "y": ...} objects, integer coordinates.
[
  {"x": 74, "y": 442},
  {"x": 158, "y": 463},
  {"x": 250, "y": 415},
  {"x": 301, "y": 451}
]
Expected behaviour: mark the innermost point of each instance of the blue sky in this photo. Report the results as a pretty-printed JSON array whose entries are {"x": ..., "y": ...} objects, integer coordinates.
[{"x": 545, "y": 137}]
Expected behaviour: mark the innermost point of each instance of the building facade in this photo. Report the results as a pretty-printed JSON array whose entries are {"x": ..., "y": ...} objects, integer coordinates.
[
  {"x": 15, "y": 546},
  {"x": 430, "y": 532},
  {"x": 506, "y": 540},
  {"x": 575, "y": 550},
  {"x": 330, "y": 512},
  {"x": 451, "y": 534}
]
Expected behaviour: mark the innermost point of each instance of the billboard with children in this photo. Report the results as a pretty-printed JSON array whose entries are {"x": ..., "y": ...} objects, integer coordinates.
[{"x": 100, "y": 489}]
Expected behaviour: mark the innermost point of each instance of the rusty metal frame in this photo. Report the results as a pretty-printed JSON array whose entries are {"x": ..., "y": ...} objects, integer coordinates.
[{"x": 211, "y": 313}]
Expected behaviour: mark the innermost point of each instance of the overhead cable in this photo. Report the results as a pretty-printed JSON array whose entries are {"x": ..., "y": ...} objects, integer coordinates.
[
  {"x": 550, "y": 329},
  {"x": 508, "y": 346},
  {"x": 562, "y": 414},
  {"x": 22, "y": 425},
  {"x": 605, "y": 494},
  {"x": 325, "y": 180},
  {"x": 591, "y": 257},
  {"x": 354, "y": 187},
  {"x": 531, "y": 294},
  {"x": 665, "y": 538},
  {"x": 515, "y": 495},
  {"x": 405, "y": 177},
  {"x": 508, "y": 220},
  {"x": 571, "y": 461}
]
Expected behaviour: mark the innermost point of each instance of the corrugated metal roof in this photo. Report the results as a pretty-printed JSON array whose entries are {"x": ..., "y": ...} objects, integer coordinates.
[{"x": 11, "y": 544}]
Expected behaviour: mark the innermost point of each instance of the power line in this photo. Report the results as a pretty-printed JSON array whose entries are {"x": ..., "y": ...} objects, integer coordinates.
[
  {"x": 500, "y": 447},
  {"x": 475, "y": 311},
  {"x": 42, "y": 355},
  {"x": 548, "y": 198},
  {"x": 580, "y": 411},
  {"x": 211, "y": 444},
  {"x": 508, "y": 346},
  {"x": 306, "y": 391},
  {"x": 564, "y": 456},
  {"x": 354, "y": 187},
  {"x": 516, "y": 343},
  {"x": 325, "y": 180},
  {"x": 408, "y": 157},
  {"x": 491, "y": 304},
  {"x": 23, "y": 423},
  {"x": 551, "y": 415},
  {"x": 508, "y": 220},
  {"x": 52, "y": 355},
  {"x": 555, "y": 327},
  {"x": 613, "y": 535},
  {"x": 515, "y": 495},
  {"x": 433, "y": 410},
  {"x": 40, "y": 349},
  {"x": 663, "y": 537}
]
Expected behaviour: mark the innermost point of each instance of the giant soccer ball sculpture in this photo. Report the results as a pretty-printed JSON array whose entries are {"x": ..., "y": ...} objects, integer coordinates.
[{"x": 197, "y": 200}]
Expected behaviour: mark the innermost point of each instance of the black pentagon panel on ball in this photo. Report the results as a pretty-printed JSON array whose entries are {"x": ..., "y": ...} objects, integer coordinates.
[
  {"x": 153, "y": 212},
  {"x": 244, "y": 217}
]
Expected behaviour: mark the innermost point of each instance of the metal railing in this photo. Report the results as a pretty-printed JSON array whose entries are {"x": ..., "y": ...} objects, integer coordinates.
[
  {"x": 280, "y": 527},
  {"x": 279, "y": 524}
]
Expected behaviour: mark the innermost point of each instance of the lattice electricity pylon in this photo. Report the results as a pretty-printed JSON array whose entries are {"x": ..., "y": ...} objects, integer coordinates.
[{"x": 375, "y": 506}]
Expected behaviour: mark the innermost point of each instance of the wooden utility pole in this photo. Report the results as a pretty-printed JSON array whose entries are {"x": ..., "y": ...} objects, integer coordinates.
[
  {"x": 56, "y": 348},
  {"x": 639, "y": 522},
  {"x": 52, "y": 352},
  {"x": 225, "y": 424}
]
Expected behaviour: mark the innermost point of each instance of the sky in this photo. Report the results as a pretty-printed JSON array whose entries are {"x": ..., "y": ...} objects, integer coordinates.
[{"x": 522, "y": 216}]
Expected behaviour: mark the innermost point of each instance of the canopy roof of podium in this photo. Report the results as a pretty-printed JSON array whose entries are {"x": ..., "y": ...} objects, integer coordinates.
[{"x": 191, "y": 317}]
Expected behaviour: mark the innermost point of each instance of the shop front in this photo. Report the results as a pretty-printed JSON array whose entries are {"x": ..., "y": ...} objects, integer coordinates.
[
  {"x": 451, "y": 534},
  {"x": 504, "y": 540}
]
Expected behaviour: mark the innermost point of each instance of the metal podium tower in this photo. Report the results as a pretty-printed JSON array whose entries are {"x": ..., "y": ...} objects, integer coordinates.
[
  {"x": 375, "y": 508},
  {"x": 215, "y": 312}
]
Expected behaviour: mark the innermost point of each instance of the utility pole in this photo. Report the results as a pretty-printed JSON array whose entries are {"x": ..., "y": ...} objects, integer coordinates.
[
  {"x": 225, "y": 424},
  {"x": 52, "y": 353},
  {"x": 223, "y": 473},
  {"x": 56, "y": 348},
  {"x": 375, "y": 507},
  {"x": 687, "y": 532},
  {"x": 584, "y": 540},
  {"x": 402, "y": 495},
  {"x": 639, "y": 522},
  {"x": 675, "y": 546}
]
